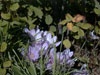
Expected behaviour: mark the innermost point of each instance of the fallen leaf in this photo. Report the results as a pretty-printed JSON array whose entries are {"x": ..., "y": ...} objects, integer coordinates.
[
  {"x": 69, "y": 26},
  {"x": 78, "y": 18}
]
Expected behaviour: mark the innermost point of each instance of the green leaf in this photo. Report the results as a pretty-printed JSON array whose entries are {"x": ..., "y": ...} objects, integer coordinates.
[
  {"x": 32, "y": 69},
  {"x": 97, "y": 11},
  {"x": 99, "y": 23},
  {"x": 48, "y": 19},
  {"x": 97, "y": 4},
  {"x": 68, "y": 17},
  {"x": 5, "y": 15},
  {"x": 3, "y": 47},
  {"x": 30, "y": 13},
  {"x": 97, "y": 29},
  {"x": 7, "y": 64},
  {"x": 1, "y": 6},
  {"x": 67, "y": 43},
  {"x": 15, "y": 23},
  {"x": 3, "y": 23},
  {"x": 5, "y": 30},
  {"x": 64, "y": 29},
  {"x": 85, "y": 25},
  {"x": 38, "y": 12},
  {"x": 2, "y": 71},
  {"x": 14, "y": 6},
  {"x": 63, "y": 22},
  {"x": 31, "y": 26},
  {"x": 23, "y": 19},
  {"x": 75, "y": 28},
  {"x": 52, "y": 28},
  {"x": 80, "y": 32},
  {"x": 16, "y": 70},
  {"x": 76, "y": 36},
  {"x": 13, "y": 1},
  {"x": 84, "y": 59}
]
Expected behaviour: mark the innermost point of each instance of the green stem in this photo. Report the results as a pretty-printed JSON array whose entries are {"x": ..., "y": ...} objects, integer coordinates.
[{"x": 20, "y": 61}]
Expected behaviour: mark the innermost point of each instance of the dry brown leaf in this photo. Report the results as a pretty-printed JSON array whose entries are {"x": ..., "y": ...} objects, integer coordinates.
[
  {"x": 78, "y": 18},
  {"x": 69, "y": 26}
]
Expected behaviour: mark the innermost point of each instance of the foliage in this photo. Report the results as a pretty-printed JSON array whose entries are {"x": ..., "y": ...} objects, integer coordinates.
[{"x": 75, "y": 22}]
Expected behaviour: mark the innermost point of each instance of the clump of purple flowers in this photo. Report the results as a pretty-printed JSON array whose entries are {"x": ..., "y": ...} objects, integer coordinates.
[
  {"x": 43, "y": 41},
  {"x": 82, "y": 71}
]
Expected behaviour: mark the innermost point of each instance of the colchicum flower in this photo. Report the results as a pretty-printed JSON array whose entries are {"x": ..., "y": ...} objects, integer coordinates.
[
  {"x": 60, "y": 57},
  {"x": 40, "y": 41},
  {"x": 33, "y": 53},
  {"x": 45, "y": 42},
  {"x": 93, "y": 36},
  {"x": 82, "y": 71}
]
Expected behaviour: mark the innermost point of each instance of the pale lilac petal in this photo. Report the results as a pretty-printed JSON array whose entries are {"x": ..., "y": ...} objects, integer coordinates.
[
  {"x": 45, "y": 33},
  {"x": 37, "y": 31},
  {"x": 38, "y": 36},
  {"x": 60, "y": 57},
  {"x": 58, "y": 43},
  {"x": 93, "y": 36},
  {"x": 49, "y": 66},
  {"x": 32, "y": 32},
  {"x": 70, "y": 62},
  {"x": 70, "y": 54},
  {"x": 49, "y": 38},
  {"x": 52, "y": 52},
  {"x": 33, "y": 54},
  {"x": 45, "y": 46},
  {"x": 26, "y": 30},
  {"x": 54, "y": 39}
]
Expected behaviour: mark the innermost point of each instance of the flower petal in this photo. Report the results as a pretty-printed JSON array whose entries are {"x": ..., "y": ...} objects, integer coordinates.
[
  {"x": 58, "y": 43},
  {"x": 54, "y": 39},
  {"x": 49, "y": 38}
]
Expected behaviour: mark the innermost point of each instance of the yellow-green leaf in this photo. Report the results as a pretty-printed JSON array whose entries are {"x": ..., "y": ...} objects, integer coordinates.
[
  {"x": 63, "y": 22},
  {"x": 23, "y": 19},
  {"x": 5, "y": 15},
  {"x": 97, "y": 11},
  {"x": 68, "y": 17},
  {"x": 2, "y": 71},
  {"x": 52, "y": 28},
  {"x": 38, "y": 12},
  {"x": 99, "y": 23},
  {"x": 85, "y": 25},
  {"x": 32, "y": 69},
  {"x": 16, "y": 70},
  {"x": 3, "y": 47},
  {"x": 97, "y": 29},
  {"x": 31, "y": 26},
  {"x": 14, "y": 6},
  {"x": 48, "y": 19},
  {"x": 7, "y": 64},
  {"x": 75, "y": 28},
  {"x": 64, "y": 29},
  {"x": 80, "y": 32},
  {"x": 67, "y": 43},
  {"x": 76, "y": 36}
]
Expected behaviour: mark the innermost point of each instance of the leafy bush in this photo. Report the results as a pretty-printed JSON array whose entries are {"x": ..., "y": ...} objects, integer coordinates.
[{"x": 75, "y": 23}]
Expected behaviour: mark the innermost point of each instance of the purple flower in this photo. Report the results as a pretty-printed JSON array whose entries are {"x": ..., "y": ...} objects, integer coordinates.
[
  {"x": 51, "y": 59},
  {"x": 52, "y": 40},
  {"x": 68, "y": 54},
  {"x": 93, "y": 36},
  {"x": 33, "y": 53},
  {"x": 61, "y": 58},
  {"x": 82, "y": 71},
  {"x": 43, "y": 40},
  {"x": 34, "y": 34}
]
